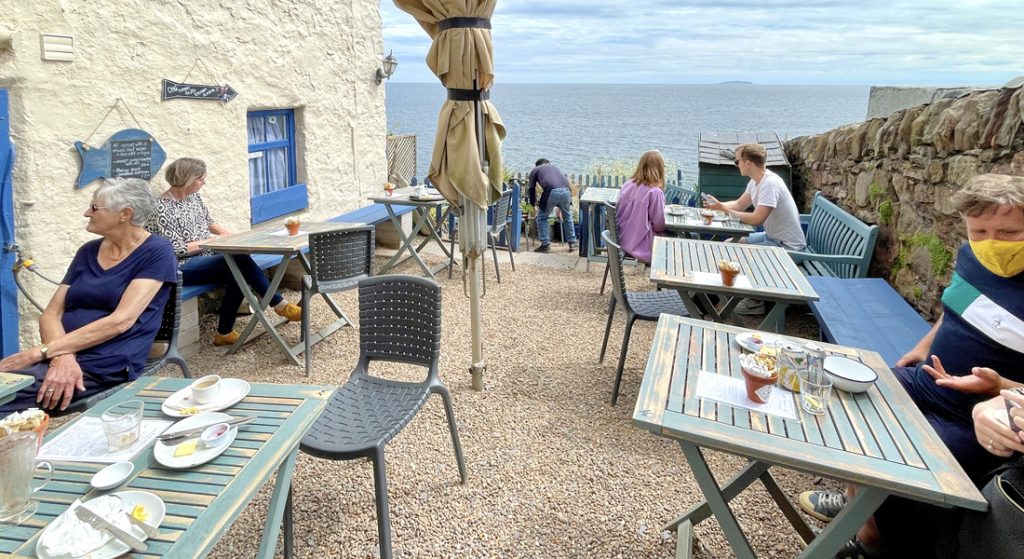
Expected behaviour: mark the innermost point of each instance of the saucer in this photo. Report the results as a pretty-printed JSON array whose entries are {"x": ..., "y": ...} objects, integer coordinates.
[
  {"x": 114, "y": 548},
  {"x": 748, "y": 342},
  {"x": 164, "y": 454},
  {"x": 232, "y": 390},
  {"x": 675, "y": 209}
]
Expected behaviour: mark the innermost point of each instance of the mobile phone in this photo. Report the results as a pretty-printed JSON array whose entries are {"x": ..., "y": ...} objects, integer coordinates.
[
  {"x": 1011, "y": 405},
  {"x": 704, "y": 196}
]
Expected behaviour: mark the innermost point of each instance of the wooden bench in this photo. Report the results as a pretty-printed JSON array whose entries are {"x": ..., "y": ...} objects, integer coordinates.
[
  {"x": 838, "y": 244},
  {"x": 866, "y": 313}
]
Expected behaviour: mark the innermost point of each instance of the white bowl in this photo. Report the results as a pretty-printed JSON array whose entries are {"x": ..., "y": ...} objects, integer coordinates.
[
  {"x": 112, "y": 476},
  {"x": 849, "y": 375}
]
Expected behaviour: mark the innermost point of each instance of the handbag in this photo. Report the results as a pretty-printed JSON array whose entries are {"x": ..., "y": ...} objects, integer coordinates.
[{"x": 997, "y": 533}]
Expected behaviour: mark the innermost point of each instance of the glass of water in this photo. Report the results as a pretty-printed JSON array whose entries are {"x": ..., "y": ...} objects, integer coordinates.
[
  {"x": 815, "y": 389},
  {"x": 121, "y": 424}
]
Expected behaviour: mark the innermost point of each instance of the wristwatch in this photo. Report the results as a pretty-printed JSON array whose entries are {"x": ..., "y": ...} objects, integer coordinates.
[{"x": 42, "y": 350}]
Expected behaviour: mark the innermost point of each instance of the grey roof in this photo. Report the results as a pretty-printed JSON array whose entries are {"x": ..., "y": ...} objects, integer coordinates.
[{"x": 711, "y": 144}]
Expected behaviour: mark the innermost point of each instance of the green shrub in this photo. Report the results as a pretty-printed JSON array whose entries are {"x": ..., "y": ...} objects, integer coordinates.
[{"x": 885, "y": 212}]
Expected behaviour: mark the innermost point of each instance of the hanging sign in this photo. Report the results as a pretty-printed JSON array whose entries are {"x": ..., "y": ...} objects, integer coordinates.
[
  {"x": 174, "y": 90},
  {"x": 130, "y": 153}
]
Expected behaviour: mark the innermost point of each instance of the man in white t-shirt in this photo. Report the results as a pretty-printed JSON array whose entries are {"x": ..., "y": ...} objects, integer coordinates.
[{"x": 773, "y": 204}]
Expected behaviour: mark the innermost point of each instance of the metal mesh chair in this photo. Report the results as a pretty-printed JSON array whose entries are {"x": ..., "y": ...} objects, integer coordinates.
[
  {"x": 642, "y": 305},
  {"x": 338, "y": 260},
  {"x": 680, "y": 195},
  {"x": 399, "y": 321},
  {"x": 170, "y": 323},
  {"x": 499, "y": 224}
]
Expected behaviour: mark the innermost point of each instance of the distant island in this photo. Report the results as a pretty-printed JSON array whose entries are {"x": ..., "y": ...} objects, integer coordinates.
[{"x": 736, "y": 81}]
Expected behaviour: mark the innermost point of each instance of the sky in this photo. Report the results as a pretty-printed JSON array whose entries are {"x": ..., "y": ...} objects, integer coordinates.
[{"x": 821, "y": 42}]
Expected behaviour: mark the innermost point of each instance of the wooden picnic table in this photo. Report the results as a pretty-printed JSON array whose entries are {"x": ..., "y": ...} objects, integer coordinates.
[
  {"x": 592, "y": 221},
  {"x": 690, "y": 222},
  {"x": 878, "y": 439},
  {"x": 11, "y": 383},
  {"x": 274, "y": 241},
  {"x": 767, "y": 274},
  {"x": 422, "y": 223},
  {"x": 202, "y": 502}
]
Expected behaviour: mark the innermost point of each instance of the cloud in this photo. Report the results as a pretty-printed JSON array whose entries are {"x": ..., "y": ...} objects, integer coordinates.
[{"x": 771, "y": 41}]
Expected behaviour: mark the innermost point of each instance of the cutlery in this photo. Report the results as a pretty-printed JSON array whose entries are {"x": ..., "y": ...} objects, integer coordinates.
[
  {"x": 96, "y": 521},
  {"x": 176, "y": 437},
  {"x": 149, "y": 530}
]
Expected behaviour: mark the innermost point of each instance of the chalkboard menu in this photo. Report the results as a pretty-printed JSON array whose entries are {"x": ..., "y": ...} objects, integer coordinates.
[{"x": 131, "y": 158}]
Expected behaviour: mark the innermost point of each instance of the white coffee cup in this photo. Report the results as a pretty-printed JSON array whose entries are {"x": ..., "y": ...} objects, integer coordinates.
[{"x": 205, "y": 389}]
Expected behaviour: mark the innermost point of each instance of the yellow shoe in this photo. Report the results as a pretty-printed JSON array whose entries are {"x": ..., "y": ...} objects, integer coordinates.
[
  {"x": 291, "y": 311},
  {"x": 225, "y": 339}
]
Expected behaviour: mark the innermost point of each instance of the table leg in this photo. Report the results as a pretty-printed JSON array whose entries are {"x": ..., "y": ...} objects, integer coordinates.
[
  {"x": 278, "y": 501},
  {"x": 691, "y": 305},
  {"x": 717, "y": 501},
  {"x": 406, "y": 241},
  {"x": 845, "y": 525},
  {"x": 787, "y": 508},
  {"x": 775, "y": 320},
  {"x": 320, "y": 335},
  {"x": 743, "y": 478},
  {"x": 259, "y": 306}
]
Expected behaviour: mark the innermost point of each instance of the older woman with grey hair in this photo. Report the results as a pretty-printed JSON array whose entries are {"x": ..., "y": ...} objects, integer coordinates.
[{"x": 98, "y": 327}]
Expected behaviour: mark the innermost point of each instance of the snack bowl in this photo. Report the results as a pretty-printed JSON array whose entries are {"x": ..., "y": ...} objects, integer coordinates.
[
  {"x": 758, "y": 378},
  {"x": 708, "y": 216},
  {"x": 112, "y": 476},
  {"x": 849, "y": 375},
  {"x": 215, "y": 435}
]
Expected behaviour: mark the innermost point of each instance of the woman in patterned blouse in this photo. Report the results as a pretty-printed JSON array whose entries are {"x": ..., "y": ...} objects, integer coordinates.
[{"x": 183, "y": 218}]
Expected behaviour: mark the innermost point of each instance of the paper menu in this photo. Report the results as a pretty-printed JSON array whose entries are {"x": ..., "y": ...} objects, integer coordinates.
[
  {"x": 84, "y": 441},
  {"x": 733, "y": 391}
]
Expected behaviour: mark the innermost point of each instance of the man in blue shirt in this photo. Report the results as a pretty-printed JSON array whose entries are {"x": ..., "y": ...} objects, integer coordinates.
[{"x": 555, "y": 193}]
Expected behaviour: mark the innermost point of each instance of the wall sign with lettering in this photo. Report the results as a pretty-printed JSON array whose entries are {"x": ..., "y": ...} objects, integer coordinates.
[
  {"x": 131, "y": 153},
  {"x": 174, "y": 90}
]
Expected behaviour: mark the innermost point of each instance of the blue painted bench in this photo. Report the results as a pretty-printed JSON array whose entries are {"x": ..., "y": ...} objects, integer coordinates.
[
  {"x": 374, "y": 214},
  {"x": 838, "y": 244},
  {"x": 866, "y": 313}
]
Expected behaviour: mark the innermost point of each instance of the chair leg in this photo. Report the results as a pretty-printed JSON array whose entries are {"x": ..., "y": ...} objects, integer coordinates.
[
  {"x": 454, "y": 428},
  {"x": 289, "y": 541},
  {"x": 494, "y": 254},
  {"x": 451, "y": 250},
  {"x": 380, "y": 484},
  {"x": 607, "y": 329},
  {"x": 607, "y": 270},
  {"x": 622, "y": 357},
  {"x": 307, "y": 352},
  {"x": 508, "y": 237},
  {"x": 178, "y": 360}
]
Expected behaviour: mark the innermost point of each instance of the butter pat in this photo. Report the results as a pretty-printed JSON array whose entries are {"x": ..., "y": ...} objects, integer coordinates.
[{"x": 186, "y": 448}]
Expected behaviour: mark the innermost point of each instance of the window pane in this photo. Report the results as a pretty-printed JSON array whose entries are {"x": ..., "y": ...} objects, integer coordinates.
[
  {"x": 277, "y": 128},
  {"x": 256, "y": 132},
  {"x": 277, "y": 169},
  {"x": 257, "y": 175}
]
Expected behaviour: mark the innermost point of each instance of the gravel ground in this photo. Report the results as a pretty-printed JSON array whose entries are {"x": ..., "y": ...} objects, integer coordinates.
[{"x": 554, "y": 470}]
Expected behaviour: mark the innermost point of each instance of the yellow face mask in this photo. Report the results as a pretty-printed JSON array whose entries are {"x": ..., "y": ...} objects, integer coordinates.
[{"x": 1002, "y": 258}]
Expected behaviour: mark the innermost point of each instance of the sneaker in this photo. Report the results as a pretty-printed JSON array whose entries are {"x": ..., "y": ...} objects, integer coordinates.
[
  {"x": 225, "y": 339},
  {"x": 855, "y": 549},
  {"x": 823, "y": 505},
  {"x": 543, "y": 248},
  {"x": 750, "y": 306},
  {"x": 572, "y": 246},
  {"x": 291, "y": 311}
]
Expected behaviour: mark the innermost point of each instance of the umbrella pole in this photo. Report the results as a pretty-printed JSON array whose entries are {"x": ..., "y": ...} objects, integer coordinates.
[{"x": 478, "y": 365}]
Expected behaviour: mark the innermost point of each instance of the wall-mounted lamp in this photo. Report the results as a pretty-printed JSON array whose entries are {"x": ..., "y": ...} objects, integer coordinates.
[{"x": 390, "y": 63}]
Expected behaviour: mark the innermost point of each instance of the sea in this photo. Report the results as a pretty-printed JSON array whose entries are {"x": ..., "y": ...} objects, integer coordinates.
[{"x": 582, "y": 127}]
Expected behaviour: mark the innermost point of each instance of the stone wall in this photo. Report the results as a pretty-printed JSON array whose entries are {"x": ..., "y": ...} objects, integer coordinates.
[
  {"x": 900, "y": 172},
  {"x": 318, "y": 58}
]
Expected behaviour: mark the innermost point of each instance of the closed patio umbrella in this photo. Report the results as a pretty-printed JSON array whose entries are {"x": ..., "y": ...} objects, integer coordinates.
[{"x": 466, "y": 163}]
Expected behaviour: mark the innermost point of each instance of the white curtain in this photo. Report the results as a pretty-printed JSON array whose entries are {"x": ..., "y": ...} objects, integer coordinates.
[{"x": 268, "y": 169}]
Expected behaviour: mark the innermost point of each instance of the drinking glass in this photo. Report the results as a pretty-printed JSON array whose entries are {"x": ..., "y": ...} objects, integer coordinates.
[
  {"x": 18, "y": 465},
  {"x": 121, "y": 424},
  {"x": 815, "y": 389}
]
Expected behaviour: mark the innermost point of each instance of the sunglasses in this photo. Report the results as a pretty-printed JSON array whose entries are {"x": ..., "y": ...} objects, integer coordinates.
[{"x": 93, "y": 208}]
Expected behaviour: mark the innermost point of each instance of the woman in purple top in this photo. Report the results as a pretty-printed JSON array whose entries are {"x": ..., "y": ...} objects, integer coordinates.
[
  {"x": 640, "y": 212},
  {"x": 100, "y": 324}
]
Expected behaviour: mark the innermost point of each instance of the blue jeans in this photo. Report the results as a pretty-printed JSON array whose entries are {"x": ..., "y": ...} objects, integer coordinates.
[
  {"x": 200, "y": 270},
  {"x": 94, "y": 384},
  {"x": 562, "y": 199}
]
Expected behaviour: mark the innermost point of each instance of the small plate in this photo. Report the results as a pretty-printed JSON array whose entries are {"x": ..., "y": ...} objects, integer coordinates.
[
  {"x": 426, "y": 197},
  {"x": 114, "y": 548},
  {"x": 749, "y": 342},
  {"x": 112, "y": 476},
  {"x": 675, "y": 209},
  {"x": 720, "y": 216},
  {"x": 232, "y": 390},
  {"x": 164, "y": 454}
]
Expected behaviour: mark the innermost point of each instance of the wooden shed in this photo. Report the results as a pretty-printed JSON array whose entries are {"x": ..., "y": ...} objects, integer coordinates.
[{"x": 716, "y": 173}]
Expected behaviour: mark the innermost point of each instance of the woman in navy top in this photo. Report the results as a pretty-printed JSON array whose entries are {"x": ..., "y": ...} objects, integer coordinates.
[{"x": 100, "y": 324}]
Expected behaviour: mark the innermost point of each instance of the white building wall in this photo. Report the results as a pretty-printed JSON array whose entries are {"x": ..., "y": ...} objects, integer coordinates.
[{"x": 316, "y": 56}]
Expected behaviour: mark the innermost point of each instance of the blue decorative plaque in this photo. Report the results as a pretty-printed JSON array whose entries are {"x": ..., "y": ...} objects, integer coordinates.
[{"x": 129, "y": 153}]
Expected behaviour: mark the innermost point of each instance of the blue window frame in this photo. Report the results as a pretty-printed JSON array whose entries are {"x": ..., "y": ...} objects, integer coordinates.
[{"x": 273, "y": 187}]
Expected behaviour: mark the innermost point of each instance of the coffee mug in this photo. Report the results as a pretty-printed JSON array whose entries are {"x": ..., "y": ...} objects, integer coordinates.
[{"x": 205, "y": 389}]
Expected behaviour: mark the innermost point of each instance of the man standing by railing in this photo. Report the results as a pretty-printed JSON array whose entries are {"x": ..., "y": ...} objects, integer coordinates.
[{"x": 555, "y": 193}]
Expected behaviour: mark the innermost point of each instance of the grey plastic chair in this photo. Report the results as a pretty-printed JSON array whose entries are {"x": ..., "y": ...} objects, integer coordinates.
[
  {"x": 500, "y": 224},
  {"x": 399, "y": 321},
  {"x": 170, "y": 323},
  {"x": 639, "y": 305},
  {"x": 338, "y": 260},
  {"x": 613, "y": 229}
]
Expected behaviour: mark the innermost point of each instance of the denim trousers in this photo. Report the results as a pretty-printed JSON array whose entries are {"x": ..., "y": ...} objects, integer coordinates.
[
  {"x": 562, "y": 199},
  {"x": 200, "y": 270}
]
